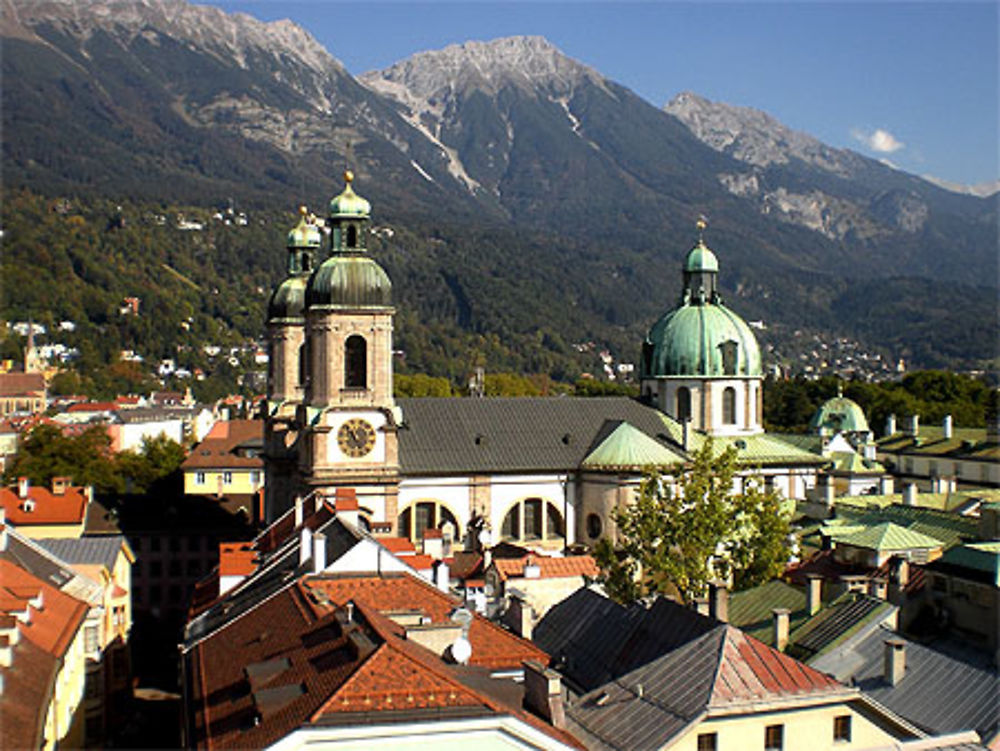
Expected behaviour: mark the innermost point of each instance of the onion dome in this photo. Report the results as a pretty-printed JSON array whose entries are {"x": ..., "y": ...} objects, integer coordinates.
[
  {"x": 840, "y": 415},
  {"x": 351, "y": 281},
  {"x": 349, "y": 278},
  {"x": 288, "y": 300},
  {"x": 701, "y": 338},
  {"x": 305, "y": 234},
  {"x": 349, "y": 203}
]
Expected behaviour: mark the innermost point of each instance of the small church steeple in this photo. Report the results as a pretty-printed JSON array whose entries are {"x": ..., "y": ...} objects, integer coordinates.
[{"x": 349, "y": 219}]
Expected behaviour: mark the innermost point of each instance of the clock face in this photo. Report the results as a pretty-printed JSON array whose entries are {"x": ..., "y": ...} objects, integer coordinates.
[{"x": 356, "y": 437}]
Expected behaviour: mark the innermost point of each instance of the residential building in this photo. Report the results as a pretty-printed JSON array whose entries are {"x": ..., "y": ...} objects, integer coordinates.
[
  {"x": 42, "y": 661},
  {"x": 228, "y": 463},
  {"x": 941, "y": 454},
  {"x": 42, "y": 512}
]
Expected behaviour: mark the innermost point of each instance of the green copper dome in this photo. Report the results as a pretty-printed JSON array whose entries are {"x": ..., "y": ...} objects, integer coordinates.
[
  {"x": 701, "y": 258},
  {"x": 840, "y": 414},
  {"x": 349, "y": 203},
  {"x": 706, "y": 340},
  {"x": 349, "y": 280},
  {"x": 288, "y": 300},
  {"x": 305, "y": 234}
]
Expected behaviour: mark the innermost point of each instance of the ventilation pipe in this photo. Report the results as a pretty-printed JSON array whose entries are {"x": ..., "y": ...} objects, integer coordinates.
[
  {"x": 890, "y": 425},
  {"x": 814, "y": 594},
  {"x": 946, "y": 427},
  {"x": 22, "y": 487},
  {"x": 305, "y": 545},
  {"x": 910, "y": 494}
]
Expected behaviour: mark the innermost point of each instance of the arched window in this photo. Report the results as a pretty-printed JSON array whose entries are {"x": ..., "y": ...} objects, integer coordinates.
[
  {"x": 729, "y": 406},
  {"x": 532, "y": 519},
  {"x": 424, "y": 515},
  {"x": 352, "y": 236},
  {"x": 594, "y": 526},
  {"x": 355, "y": 362},
  {"x": 305, "y": 262},
  {"x": 683, "y": 403},
  {"x": 303, "y": 363}
]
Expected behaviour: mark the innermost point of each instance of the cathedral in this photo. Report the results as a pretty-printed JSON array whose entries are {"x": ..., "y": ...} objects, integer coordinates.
[{"x": 542, "y": 472}]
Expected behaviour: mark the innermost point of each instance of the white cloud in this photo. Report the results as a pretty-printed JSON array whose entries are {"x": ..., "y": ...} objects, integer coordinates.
[{"x": 878, "y": 140}]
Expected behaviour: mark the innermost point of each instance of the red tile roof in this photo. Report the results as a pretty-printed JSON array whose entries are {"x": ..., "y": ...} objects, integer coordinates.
[
  {"x": 492, "y": 646},
  {"x": 21, "y": 384},
  {"x": 27, "y": 685},
  {"x": 550, "y": 568},
  {"x": 420, "y": 562},
  {"x": 237, "y": 559},
  {"x": 397, "y": 545},
  {"x": 292, "y": 660},
  {"x": 93, "y": 407},
  {"x": 52, "y": 627},
  {"x": 69, "y": 508}
]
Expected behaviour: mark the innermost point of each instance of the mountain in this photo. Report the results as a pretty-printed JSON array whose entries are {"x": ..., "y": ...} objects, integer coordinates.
[{"x": 546, "y": 196}]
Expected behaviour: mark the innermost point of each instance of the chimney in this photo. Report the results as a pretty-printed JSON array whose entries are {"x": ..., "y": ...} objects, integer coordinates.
[
  {"x": 912, "y": 427},
  {"x": 890, "y": 424},
  {"x": 814, "y": 593},
  {"x": 829, "y": 490},
  {"x": 531, "y": 569},
  {"x": 718, "y": 601},
  {"x": 346, "y": 505},
  {"x": 305, "y": 545},
  {"x": 946, "y": 427},
  {"x": 520, "y": 614},
  {"x": 433, "y": 543},
  {"x": 298, "y": 511},
  {"x": 6, "y": 654},
  {"x": 543, "y": 693},
  {"x": 910, "y": 494},
  {"x": 894, "y": 661},
  {"x": 886, "y": 486},
  {"x": 780, "y": 624},
  {"x": 442, "y": 578},
  {"x": 685, "y": 431},
  {"x": 22, "y": 487},
  {"x": 701, "y": 605},
  {"x": 319, "y": 552},
  {"x": 60, "y": 485}
]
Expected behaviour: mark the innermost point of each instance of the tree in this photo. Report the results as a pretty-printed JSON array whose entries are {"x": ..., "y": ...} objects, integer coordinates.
[{"x": 683, "y": 537}]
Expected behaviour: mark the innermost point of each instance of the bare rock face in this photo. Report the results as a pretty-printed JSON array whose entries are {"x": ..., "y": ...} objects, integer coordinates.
[{"x": 761, "y": 142}]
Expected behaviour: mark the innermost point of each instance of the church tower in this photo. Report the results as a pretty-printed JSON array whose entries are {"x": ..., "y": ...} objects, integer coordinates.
[
  {"x": 286, "y": 366},
  {"x": 700, "y": 361},
  {"x": 348, "y": 417}
]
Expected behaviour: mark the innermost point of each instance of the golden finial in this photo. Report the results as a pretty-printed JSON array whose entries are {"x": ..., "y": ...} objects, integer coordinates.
[
  {"x": 303, "y": 210},
  {"x": 701, "y": 224},
  {"x": 348, "y": 176}
]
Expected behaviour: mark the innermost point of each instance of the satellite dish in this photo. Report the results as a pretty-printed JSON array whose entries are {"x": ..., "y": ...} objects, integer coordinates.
[{"x": 461, "y": 650}]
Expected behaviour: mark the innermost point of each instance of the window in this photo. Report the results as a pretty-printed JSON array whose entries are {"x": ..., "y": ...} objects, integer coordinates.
[
  {"x": 728, "y": 351},
  {"x": 352, "y": 236},
  {"x": 774, "y": 738},
  {"x": 227, "y": 478},
  {"x": 355, "y": 362},
  {"x": 424, "y": 515},
  {"x": 91, "y": 638},
  {"x": 842, "y": 728},
  {"x": 594, "y": 526},
  {"x": 541, "y": 521},
  {"x": 729, "y": 406},
  {"x": 303, "y": 364},
  {"x": 708, "y": 741},
  {"x": 683, "y": 403},
  {"x": 199, "y": 478},
  {"x": 255, "y": 477},
  {"x": 156, "y": 568}
]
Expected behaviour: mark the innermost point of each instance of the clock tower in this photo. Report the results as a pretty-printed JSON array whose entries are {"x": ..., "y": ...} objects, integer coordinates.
[{"x": 348, "y": 418}]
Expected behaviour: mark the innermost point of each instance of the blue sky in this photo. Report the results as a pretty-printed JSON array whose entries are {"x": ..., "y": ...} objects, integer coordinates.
[{"x": 913, "y": 83}]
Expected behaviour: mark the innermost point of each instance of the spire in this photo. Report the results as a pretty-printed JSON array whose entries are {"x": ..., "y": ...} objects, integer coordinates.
[
  {"x": 349, "y": 219},
  {"x": 303, "y": 242}
]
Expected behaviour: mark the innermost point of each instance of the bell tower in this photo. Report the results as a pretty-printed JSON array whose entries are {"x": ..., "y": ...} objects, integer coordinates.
[
  {"x": 286, "y": 376},
  {"x": 348, "y": 415}
]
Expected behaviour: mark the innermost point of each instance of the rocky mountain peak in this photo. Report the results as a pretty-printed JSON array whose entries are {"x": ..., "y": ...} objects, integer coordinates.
[
  {"x": 528, "y": 61},
  {"x": 233, "y": 35},
  {"x": 754, "y": 137}
]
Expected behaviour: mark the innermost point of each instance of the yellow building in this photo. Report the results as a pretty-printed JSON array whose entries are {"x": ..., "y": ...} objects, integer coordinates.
[
  {"x": 228, "y": 463},
  {"x": 42, "y": 662}
]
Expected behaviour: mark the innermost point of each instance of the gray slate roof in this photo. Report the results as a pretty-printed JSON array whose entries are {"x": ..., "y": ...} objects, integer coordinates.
[
  {"x": 101, "y": 550},
  {"x": 523, "y": 434},
  {"x": 945, "y": 689}
]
